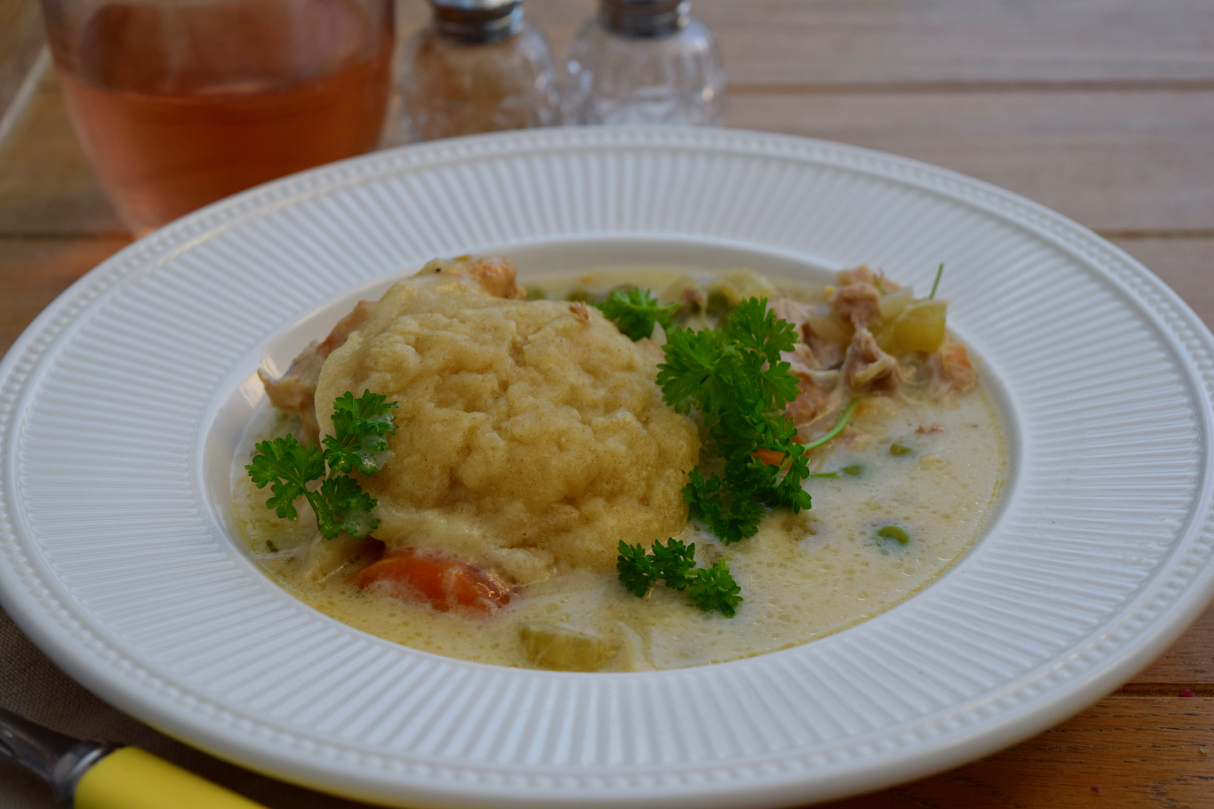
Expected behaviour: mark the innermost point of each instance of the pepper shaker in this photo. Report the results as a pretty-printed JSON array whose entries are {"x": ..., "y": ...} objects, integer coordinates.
[
  {"x": 480, "y": 66},
  {"x": 643, "y": 62}
]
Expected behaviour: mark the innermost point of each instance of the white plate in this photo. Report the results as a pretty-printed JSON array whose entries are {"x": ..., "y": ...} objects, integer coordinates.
[{"x": 119, "y": 406}]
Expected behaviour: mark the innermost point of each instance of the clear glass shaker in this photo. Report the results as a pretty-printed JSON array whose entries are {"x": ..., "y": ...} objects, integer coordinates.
[
  {"x": 478, "y": 67},
  {"x": 643, "y": 62}
]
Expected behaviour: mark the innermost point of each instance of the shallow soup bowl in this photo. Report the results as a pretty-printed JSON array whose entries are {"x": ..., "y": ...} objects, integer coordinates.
[{"x": 124, "y": 403}]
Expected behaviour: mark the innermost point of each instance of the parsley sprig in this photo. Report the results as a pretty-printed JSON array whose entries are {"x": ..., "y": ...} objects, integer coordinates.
[
  {"x": 359, "y": 427},
  {"x": 635, "y": 311},
  {"x": 358, "y": 443},
  {"x": 710, "y": 588},
  {"x": 734, "y": 376}
]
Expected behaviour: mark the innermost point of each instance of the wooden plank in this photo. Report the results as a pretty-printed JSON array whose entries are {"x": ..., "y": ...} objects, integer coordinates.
[
  {"x": 1131, "y": 161},
  {"x": 1143, "y": 753},
  {"x": 1120, "y": 162},
  {"x": 46, "y": 185},
  {"x": 1112, "y": 160},
  {"x": 825, "y": 45},
  {"x": 1188, "y": 664},
  {"x": 33, "y": 272},
  {"x": 20, "y": 41},
  {"x": 841, "y": 43},
  {"x": 1186, "y": 265}
]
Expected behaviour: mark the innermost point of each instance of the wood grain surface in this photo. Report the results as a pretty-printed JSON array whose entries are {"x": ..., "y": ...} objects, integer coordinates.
[
  {"x": 1100, "y": 109},
  {"x": 20, "y": 42}
]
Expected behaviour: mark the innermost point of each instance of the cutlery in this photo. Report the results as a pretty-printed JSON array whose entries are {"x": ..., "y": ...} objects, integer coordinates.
[{"x": 98, "y": 775}]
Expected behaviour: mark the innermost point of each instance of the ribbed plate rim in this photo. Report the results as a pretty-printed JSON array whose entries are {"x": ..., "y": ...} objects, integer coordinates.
[{"x": 107, "y": 671}]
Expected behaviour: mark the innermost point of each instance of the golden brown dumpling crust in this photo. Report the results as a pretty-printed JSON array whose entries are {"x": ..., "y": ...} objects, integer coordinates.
[{"x": 531, "y": 437}]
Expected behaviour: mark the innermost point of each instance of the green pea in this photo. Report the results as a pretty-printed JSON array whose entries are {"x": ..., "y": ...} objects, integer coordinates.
[
  {"x": 718, "y": 304},
  {"x": 855, "y": 470},
  {"x": 894, "y": 532}
]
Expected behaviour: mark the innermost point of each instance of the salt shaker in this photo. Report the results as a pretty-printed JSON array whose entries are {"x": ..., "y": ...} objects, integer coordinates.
[
  {"x": 643, "y": 62},
  {"x": 478, "y": 67}
]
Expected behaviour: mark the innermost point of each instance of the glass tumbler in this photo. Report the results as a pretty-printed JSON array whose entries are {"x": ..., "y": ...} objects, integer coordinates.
[{"x": 178, "y": 103}]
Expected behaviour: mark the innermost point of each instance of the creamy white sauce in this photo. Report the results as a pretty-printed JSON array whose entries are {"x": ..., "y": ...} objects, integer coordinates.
[{"x": 802, "y": 577}]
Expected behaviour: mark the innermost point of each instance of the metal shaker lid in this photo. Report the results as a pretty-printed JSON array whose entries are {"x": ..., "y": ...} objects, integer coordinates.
[
  {"x": 644, "y": 18},
  {"x": 478, "y": 22}
]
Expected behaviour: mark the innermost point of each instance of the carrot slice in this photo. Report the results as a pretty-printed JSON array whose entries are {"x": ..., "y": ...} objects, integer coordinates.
[
  {"x": 769, "y": 456},
  {"x": 436, "y": 578}
]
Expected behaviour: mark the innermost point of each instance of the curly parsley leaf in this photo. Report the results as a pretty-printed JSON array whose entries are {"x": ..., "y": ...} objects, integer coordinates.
[
  {"x": 635, "y": 568},
  {"x": 712, "y": 588},
  {"x": 734, "y": 376},
  {"x": 696, "y": 370},
  {"x": 289, "y": 466},
  {"x": 729, "y": 510},
  {"x": 635, "y": 311},
  {"x": 674, "y": 562},
  {"x": 343, "y": 506},
  {"x": 756, "y": 328},
  {"x": 731, "y": 370},
  {"x": 338, "y": 503},
  {"x": 359, "y": 427}
]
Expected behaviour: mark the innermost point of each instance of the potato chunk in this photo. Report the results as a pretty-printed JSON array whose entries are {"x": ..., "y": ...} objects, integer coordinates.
[
  {"x": 559, "y": 649},
  {"x": 919, "y": 327}
]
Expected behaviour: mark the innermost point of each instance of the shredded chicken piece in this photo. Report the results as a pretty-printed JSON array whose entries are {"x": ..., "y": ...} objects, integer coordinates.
[
  {"x": 652, "y": 347},
  {"x": 860, "y": 302},
  {"x": 579, "y": 309},
  {"x": 494, "y": 274},
  {"x": 801, "y": 360},
  {"x": 295, "y": 391},
  {"x": 864, "y": 369},
  {"x": 826, "y": 353},
  {"x": 868, "y": 369},
  {"x": 810, "y": 361},
  {"x": 863, "y": 274},
  {"x": 692, "y": 300},
  {"x": 859, "y": 275},
  {"x": 952, "y": 374},
  {"x": 794, "y": 312},
  {"x": 809, "y": 404},
  {"x": 812, "y": 401},
  {"x": 813, "y": 353},
  {"x": 856, "y": 440},
  {"x": 822, "y": 398}
]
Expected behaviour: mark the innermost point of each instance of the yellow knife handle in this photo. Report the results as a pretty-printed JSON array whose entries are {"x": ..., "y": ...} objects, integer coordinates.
[{"x": 130, "y": 778}]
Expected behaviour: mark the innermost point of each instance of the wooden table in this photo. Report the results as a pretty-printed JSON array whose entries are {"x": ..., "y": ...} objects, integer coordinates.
[{"x": 1100, "y": 109}]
